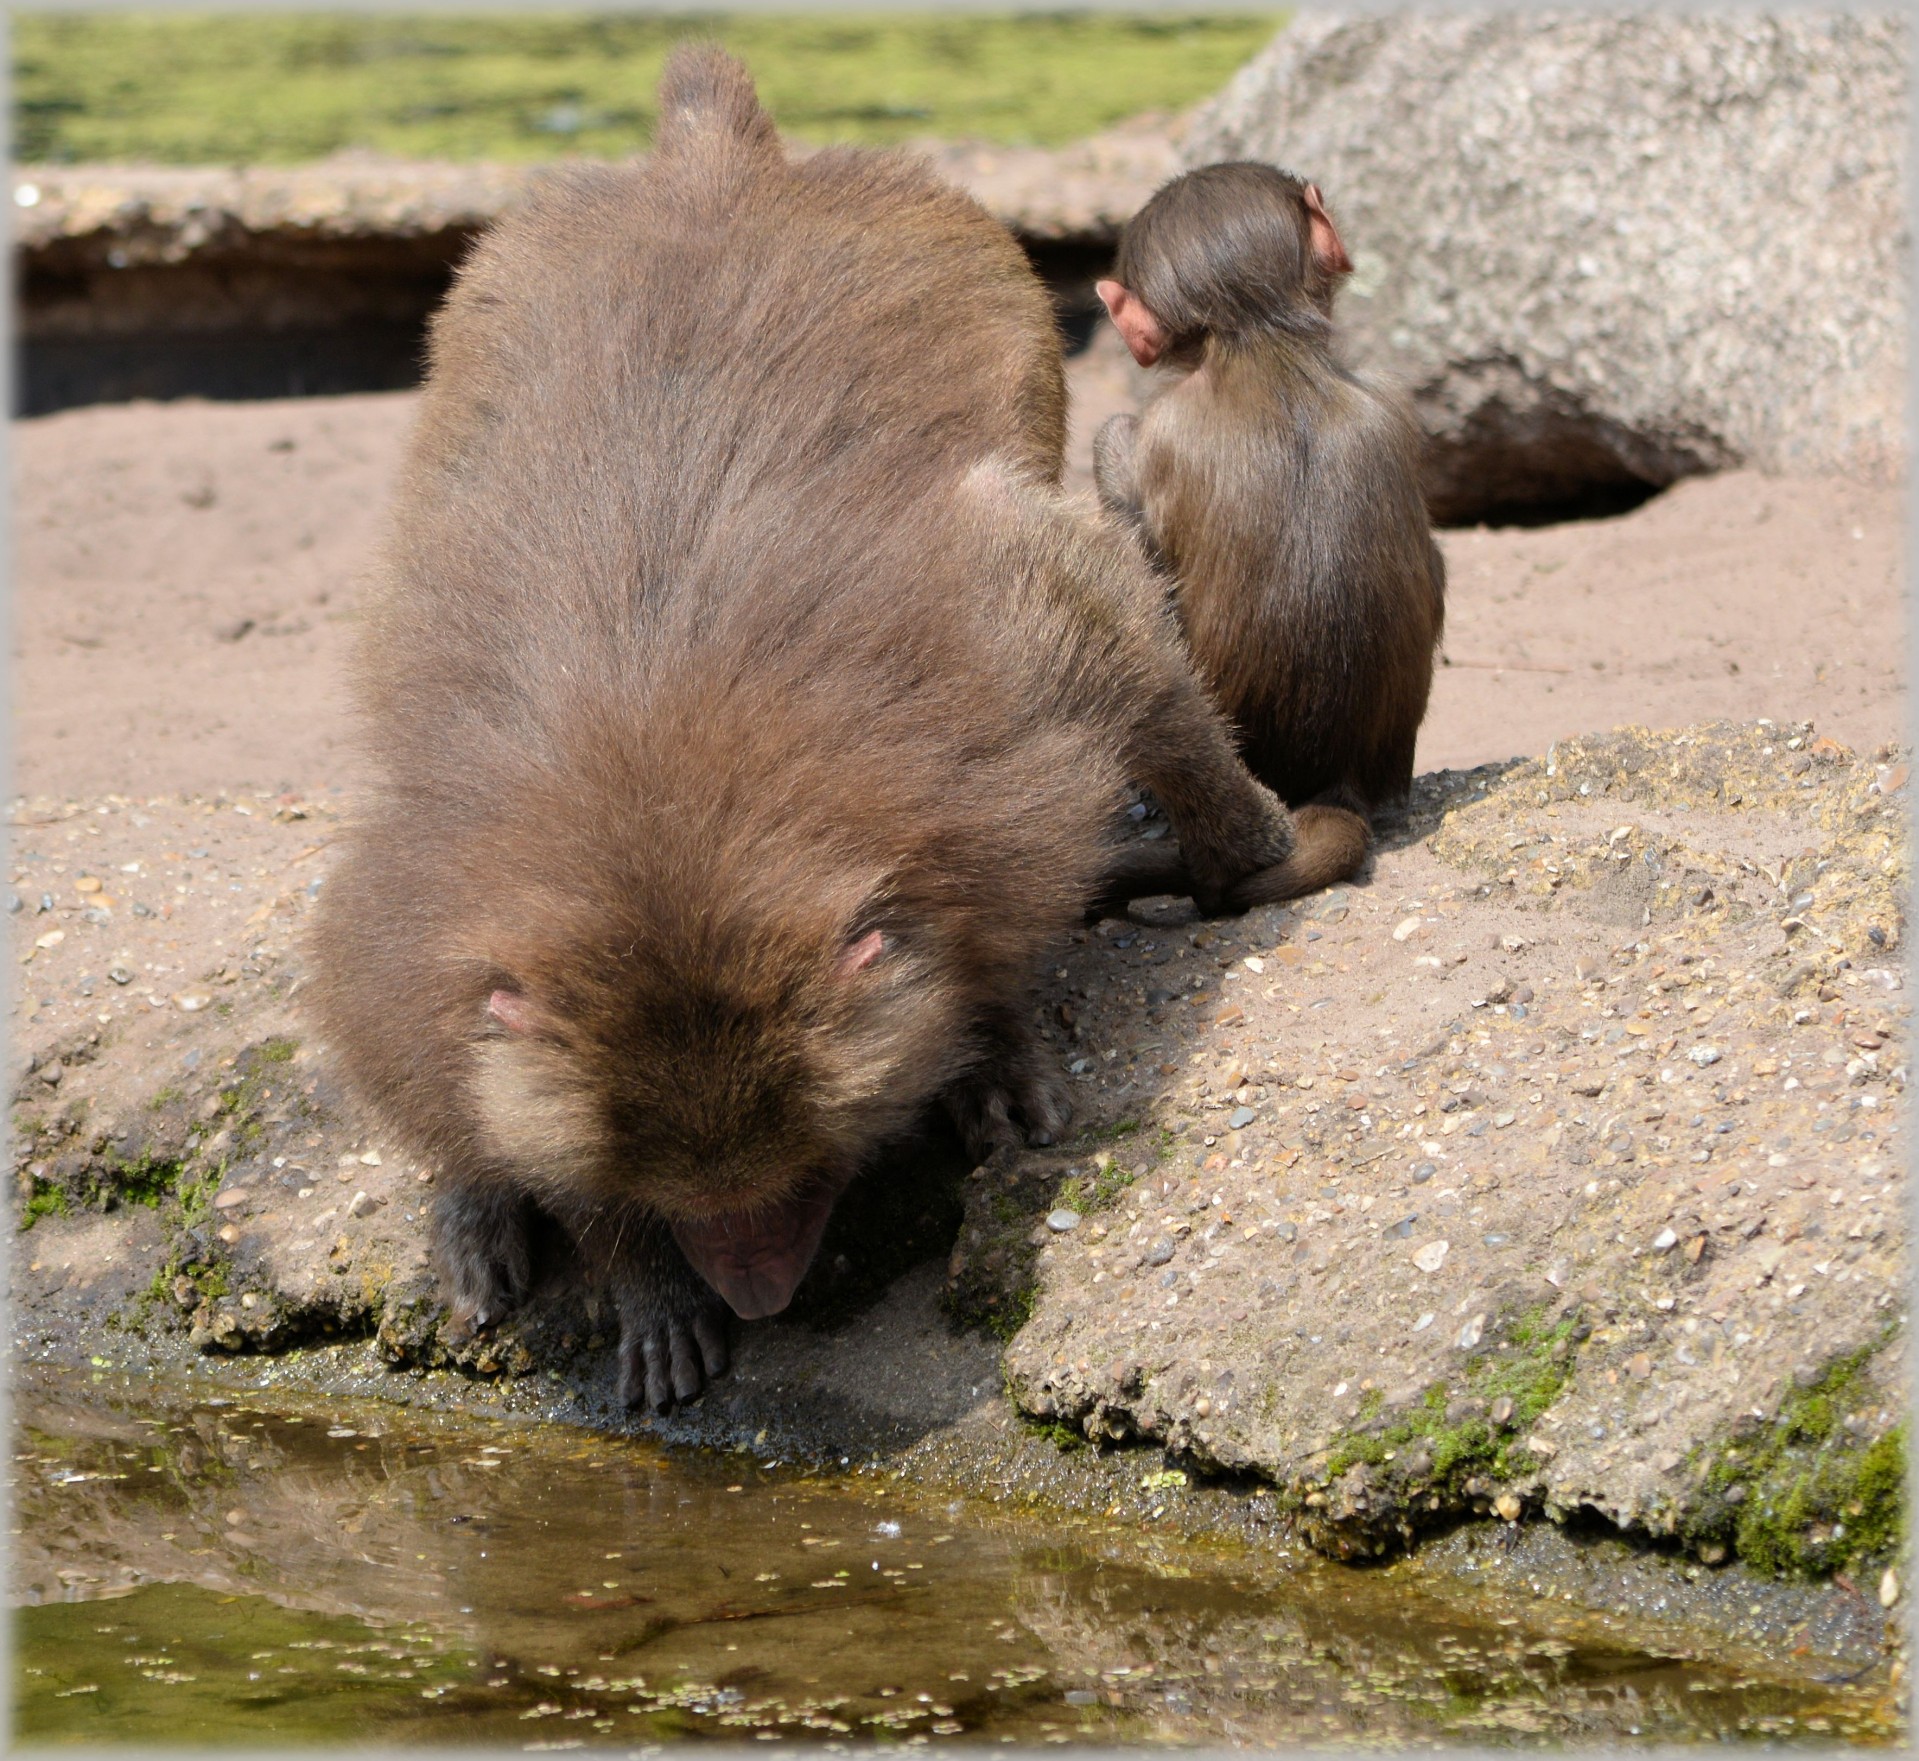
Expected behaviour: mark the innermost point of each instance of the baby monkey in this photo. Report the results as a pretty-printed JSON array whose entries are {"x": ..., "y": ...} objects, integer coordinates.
[{"x": 1279, "y": 491}]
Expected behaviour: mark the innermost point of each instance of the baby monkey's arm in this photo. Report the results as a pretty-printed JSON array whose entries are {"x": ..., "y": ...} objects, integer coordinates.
[{"x": 1115, "y": 475}]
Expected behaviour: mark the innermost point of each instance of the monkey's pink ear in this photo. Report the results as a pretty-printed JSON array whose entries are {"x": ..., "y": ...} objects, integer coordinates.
[
  {"x": 513, "y": 1011},
  {"x": 1328, "y": 252},
  {"x": 1142, "y": 333},
  {"x": 856, "y": 956}
]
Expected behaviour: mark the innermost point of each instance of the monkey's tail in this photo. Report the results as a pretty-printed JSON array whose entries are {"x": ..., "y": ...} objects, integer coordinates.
[
  {"x": 705, "y": 88},
  {"x": 1332, "y": 843}
]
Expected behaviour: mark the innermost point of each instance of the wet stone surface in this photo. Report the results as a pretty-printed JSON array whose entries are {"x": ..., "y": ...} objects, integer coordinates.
[{"x": 198, "y": 1567}]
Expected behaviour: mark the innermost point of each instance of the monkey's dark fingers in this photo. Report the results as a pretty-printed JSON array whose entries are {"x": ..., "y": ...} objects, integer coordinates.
[
  {"x": 710, "y": 1330},
  {"x": 981, "y": 1115},
  {"x": 684, "y": 1354},
  {"x": 1044, "y": 1107},
  {"x": 632, "y": 1388},
  {"x": 650, "y": 1371}
]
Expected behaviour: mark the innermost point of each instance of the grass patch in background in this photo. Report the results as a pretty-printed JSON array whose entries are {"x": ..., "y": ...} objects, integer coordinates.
[{"x": 247, "y": 88}]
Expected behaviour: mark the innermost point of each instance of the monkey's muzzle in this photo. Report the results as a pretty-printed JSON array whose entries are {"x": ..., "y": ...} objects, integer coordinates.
[{"x": 756, "y": 1259}]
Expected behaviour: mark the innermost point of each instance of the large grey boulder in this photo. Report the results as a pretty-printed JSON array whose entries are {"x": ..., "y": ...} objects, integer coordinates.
[{"x": 1607, "y": 248}]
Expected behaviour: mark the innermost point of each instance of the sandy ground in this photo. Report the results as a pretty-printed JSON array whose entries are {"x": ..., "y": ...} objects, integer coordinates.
[{"x": 186, "y": 576}]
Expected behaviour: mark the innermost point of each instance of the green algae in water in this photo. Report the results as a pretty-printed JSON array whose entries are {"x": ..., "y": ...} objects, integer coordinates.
[
  {"x": 208, "y": 1572},
  {"x": 177, "y": 1664}
]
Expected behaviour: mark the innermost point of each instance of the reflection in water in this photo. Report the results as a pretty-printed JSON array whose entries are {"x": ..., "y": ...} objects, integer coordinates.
[{"x": 194, "y": 1571}]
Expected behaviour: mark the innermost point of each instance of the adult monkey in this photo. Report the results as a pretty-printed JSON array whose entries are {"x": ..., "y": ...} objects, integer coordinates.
[
  {"x": 1279, "y": 490},
  {"x": 752, "y": 715}
]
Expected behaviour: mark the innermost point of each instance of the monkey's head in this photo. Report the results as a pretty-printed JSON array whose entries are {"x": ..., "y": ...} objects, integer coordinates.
[
  {"x": 1233, "y": 252},
  {"x": 725, "y": 1070}
]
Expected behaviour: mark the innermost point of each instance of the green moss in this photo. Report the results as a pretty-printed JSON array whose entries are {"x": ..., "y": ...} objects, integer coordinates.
[
  {"x": 1062, "y": 1437},
  {"x": 1118, "y": 1132},
  {"x": 251, "y": 1087},
  {"x": 46, "y": 1201},
  {"x": 145, "y": 1180},
  {"x": 1010, "y": 1313},
  {"x": 1804, "y": 1497},
  {"x": 222, "y": 89},
  {"x": 210, "y": 1277},
  {"x": 1098, "y": 1189},
  {"x": 1530, "y": 1373}
]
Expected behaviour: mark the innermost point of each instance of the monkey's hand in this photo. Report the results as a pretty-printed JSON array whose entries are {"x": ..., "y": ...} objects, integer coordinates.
[
  {"x": 1016, "y": 1087},
  {"x": 672, "y": 1325},
  {"x": 1114, "y": 473},
  {"x": 1250, "y": 834},
  {"x": 480, "y": 1243}
]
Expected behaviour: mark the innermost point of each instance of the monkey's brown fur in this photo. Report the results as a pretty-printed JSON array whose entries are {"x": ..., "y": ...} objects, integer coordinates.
[
  {"x": 753, "y": 712},
  {"x": 1280, "y": 492}
]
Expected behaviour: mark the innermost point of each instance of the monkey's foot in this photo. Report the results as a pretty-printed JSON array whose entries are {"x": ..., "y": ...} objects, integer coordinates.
[{"x": 485, "y": 1257}]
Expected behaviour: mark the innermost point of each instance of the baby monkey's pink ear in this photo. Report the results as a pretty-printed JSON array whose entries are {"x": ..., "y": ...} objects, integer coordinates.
[
  {"x": 856, "y": 956},
  {"x": 513, "y": 1011},
  {"x": 1142, "y": 333},
  {"x": 1328, "y": 252}
]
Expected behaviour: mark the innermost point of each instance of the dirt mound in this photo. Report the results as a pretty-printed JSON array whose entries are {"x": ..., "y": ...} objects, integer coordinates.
[{"x": 1559, "y": 1169}]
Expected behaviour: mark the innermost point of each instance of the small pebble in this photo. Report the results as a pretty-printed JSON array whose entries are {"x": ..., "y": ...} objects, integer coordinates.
[
  {"x": 1423, "y": 1172},
  {"x": 1664, "y": 1241},
  {"x": 191, "y": 1002},
  {"x": 1704, "y": 1055},
  {"x": 231, "y": 1197},
  {"x": 1058, "y": 1221},
  {"x": 1406, "y": 928},
  {"x": 120, "y": 975},
  {"x": 1432, "y": 1256},
  {"x": 1888, "y": 1588},
  {"x": 1239, "y": 1118},
  {"x": 1508, "y": 1507},
  {"x": 1160, "y": 1252},
  {"x": 1473, "y": 1331},
  {"x": 364, "y": 1204}
]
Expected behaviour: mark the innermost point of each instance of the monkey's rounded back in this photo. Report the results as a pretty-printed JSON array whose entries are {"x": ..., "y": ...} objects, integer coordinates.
[
  {"x": 694, "y": 635},
  {"x": 1284, "y": 498}
]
